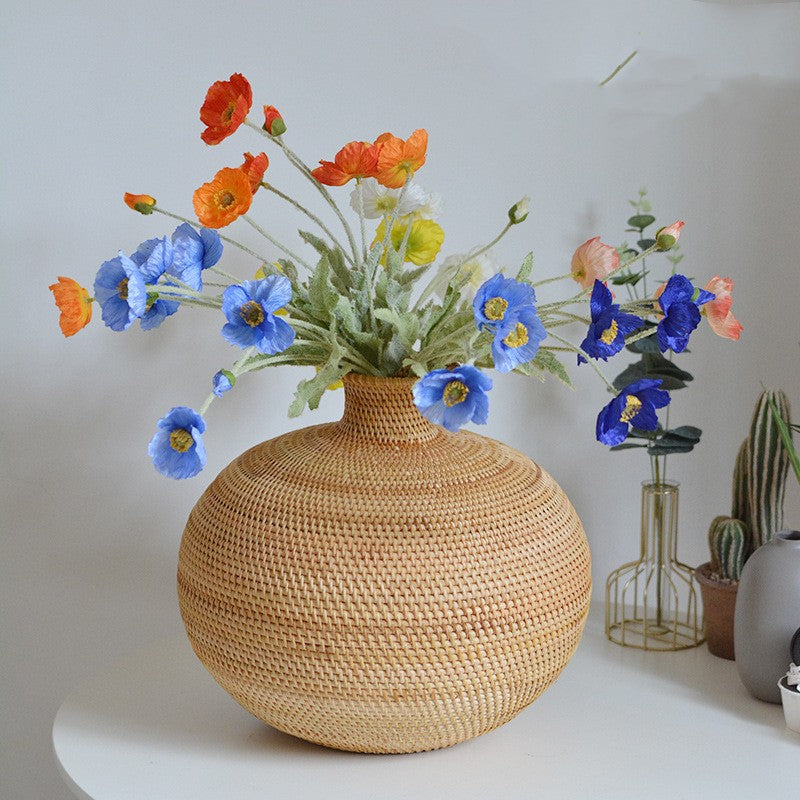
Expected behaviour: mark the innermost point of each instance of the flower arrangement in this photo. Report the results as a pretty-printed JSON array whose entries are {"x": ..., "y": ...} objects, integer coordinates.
[
  {"x": 681, "y": 307},
  {"x": 375, "y": 301}
]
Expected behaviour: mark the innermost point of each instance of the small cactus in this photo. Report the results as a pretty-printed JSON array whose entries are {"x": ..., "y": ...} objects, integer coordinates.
[
  {"x": 762, "y": 464},
  {"x": 728, "y": 540}
]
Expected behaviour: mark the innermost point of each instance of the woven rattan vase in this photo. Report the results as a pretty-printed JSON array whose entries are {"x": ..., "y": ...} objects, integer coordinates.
[{"x": 382, "y": 585}]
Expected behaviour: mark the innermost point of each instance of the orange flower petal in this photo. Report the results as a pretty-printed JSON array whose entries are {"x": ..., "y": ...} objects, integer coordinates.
[
  {"x": 223, "y": 199},
  {"x": 255, "y": 167},
  {"x": 329, "y": 174},
  {"x": 354, "y": 160},
  {"x": 398, "y": 158},
  {"x": 74, "y": 303},
  {"x": 226, "y": 105}
]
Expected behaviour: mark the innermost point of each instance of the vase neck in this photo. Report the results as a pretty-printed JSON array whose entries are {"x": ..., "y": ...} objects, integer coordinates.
[{"x": 383, "y": 409}]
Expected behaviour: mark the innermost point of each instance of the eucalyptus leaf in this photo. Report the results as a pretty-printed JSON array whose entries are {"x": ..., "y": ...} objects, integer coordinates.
[
  {"x": 627, "y": 446},
  {"x": 648, "y": 344},
  {"x": 640, "y": 221},
  {"x": 646, "y": 244}
]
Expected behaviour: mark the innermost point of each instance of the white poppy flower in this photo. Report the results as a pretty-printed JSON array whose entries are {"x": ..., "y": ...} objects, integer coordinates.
[{"x": 380, "y": 201}]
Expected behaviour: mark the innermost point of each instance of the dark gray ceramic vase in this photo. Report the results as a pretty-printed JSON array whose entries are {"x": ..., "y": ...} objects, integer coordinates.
[{"x": 767, "y": 614}]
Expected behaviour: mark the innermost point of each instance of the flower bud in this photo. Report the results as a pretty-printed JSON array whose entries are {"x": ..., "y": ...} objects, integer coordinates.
[
  {"x": 142, "y": 203},
  {"x": 666, "y": 238},
  {"x": 519, "y": 211},
  {"x": 273, "y": 121}
]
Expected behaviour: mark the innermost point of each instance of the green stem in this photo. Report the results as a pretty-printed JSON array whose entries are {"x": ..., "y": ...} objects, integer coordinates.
[
  {"x": 580, "y": 351},
  {"x": 360, "y": 192},
  {"x": 198, "y": 225},
  {"x": 313, "y": 217},
  {"x": 298, "y": 163},
  {"x": 277, "y": 244}
]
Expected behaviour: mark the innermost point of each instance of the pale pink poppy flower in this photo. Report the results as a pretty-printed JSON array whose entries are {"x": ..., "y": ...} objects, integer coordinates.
[
  {"x": 718, "y": 310},
  {"x": 593, "y": 260}
]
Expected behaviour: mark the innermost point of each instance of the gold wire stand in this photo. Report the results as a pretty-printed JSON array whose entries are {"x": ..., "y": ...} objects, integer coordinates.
[{"x": 651, "y": 604}]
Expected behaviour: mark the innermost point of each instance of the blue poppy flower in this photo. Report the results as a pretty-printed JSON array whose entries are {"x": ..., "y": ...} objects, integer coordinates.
[
  {"x": 635, "y": 405},
  {"x": 193, "y": 251},
  {"x": 499, "y": 298},
  {"x": 223, "y": 382},
  {"x": 453, "y": 397},
  {"x": 249, "y": 308},
  {"x": 177, "y": 448},
  {"x": 517, "y": 340},
  {"x": 609, "y": 326},
  {"x": 154, "y": 257},
  {"x": 119, "y": 288},
  {"x": 680, "y": 303}
]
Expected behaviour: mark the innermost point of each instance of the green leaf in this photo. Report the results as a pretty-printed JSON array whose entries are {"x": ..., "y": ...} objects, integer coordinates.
[
  {"x": 784, "y": 429},
  {"x": 409, "y": 276},
  {"x": 646, "y": 244},
  {"x": 546, "y": 361},
  {"x": 668, "y": 448},
  {"x": 648, "y": 344},
  {"x": 626, "y": 446},
  {"x": 629, "y": 278},
  {"x": 289, "y": 270},
  {"x": 406, "y": 325},
  {"x": 688, "y": 432},
  {"x": 309, "y": 392},
  {"x": 321, "y": 294},
  {"x": 526, "y": 268},
  {"x": 640, "y": 221}
]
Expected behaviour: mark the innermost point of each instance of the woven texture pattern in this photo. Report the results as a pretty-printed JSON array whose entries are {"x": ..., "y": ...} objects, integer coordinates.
[{"x": 382, "y": 585}]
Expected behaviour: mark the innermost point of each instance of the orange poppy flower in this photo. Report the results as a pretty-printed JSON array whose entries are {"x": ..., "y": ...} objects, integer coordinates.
[
  {"x": 255, "y": 167},
  {"x": 354, "y": 160},
  {"x": 398, "y": 158},
  {"x": 273, "y": 121},
  {"x": 142, "y": 203},
  {"x": 74, "y": 303},
  {"x": 226, "y": 105},
  {"x": 222, "y": 200}
]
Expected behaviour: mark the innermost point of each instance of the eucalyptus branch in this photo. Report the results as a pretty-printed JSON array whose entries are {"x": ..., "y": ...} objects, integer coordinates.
[{"x": 198, "y": 225}]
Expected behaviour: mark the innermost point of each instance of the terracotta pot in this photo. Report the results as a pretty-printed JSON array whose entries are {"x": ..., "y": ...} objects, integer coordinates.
[
  {"x": 380, "y": 584},
  {"x": 719, "y": 604}
]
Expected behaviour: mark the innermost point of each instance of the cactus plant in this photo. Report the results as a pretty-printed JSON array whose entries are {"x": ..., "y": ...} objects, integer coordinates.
[
  {"x": 728, "y": 541},
  {"x": 762, "y": 464}
]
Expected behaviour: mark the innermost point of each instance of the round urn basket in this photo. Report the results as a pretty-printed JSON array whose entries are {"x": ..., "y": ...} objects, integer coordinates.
[{"x": 382, "y": 585}]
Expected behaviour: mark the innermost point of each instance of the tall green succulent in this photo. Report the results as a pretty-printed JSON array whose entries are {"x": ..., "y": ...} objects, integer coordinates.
[{"x": 762, "y": 464}]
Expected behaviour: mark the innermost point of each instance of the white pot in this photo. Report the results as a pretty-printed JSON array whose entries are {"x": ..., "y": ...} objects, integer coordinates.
[{"x": 791, "y": 705}]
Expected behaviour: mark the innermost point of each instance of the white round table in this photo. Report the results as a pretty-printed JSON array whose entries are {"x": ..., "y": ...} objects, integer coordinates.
[{"x": 619, "y": 723}]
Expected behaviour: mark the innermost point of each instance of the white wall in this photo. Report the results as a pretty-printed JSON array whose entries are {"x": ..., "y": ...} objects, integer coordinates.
[{"x": 100, "y": 98}]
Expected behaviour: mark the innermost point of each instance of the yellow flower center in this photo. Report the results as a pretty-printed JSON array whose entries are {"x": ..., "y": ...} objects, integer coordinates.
[
  {"x": 454, "y": 393},
  {"x": 180, "y": 440},
  {"x": 495, "y": 308},
  {"x": 632, "y": 406},
  {"x": 252, "y": 313},
  {"x": 517, "y": 337},
  {"x": 226, "y": 199},
  {"x": 386, "y": 203},
  {"x": 610, "y": 333},
  {"x": 122, "y": 288},
  {"x": 227, "y": 114}
]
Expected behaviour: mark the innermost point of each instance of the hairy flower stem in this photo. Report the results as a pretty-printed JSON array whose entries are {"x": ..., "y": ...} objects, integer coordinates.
[
  {"x": 581, "y": 296},
  {"x": 277, "y": 244},
  {"x": 198, "y": 225},
  {"x": 313, "y": 217},
  {"x": 580, "y": 351},
  {"x": 362, "y": 221},
  {"x": 237, "y": 369},
  {"x": 298, "y": 163},
  {"x": 431, "y": 286}
]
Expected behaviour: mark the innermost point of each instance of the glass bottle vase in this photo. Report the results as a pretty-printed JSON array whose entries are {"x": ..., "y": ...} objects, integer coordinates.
[{"x": 651, "y": 603}]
